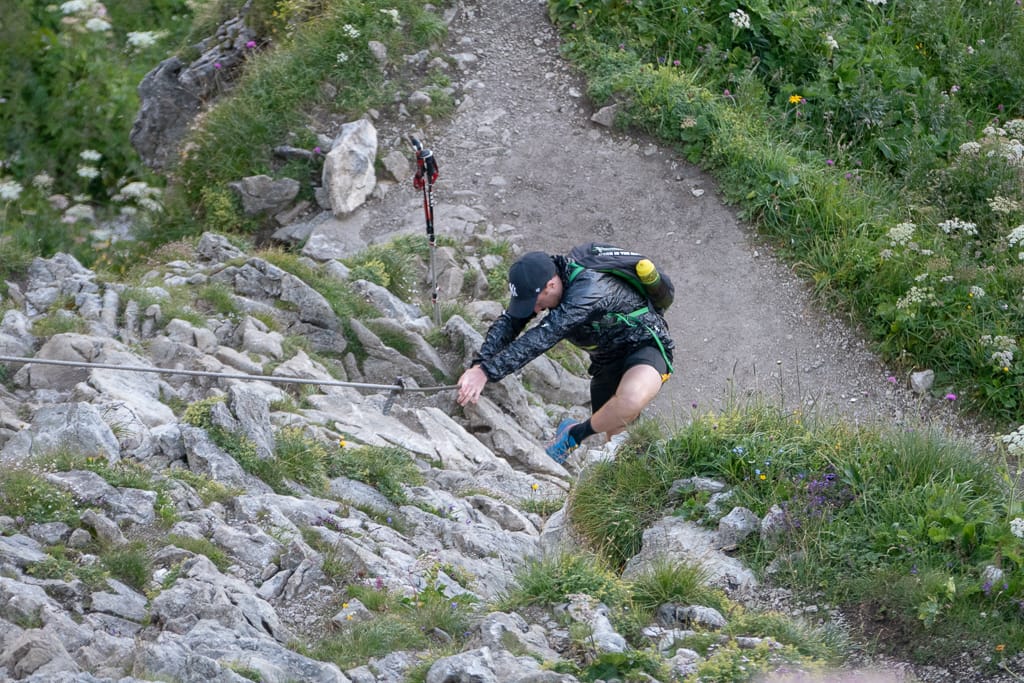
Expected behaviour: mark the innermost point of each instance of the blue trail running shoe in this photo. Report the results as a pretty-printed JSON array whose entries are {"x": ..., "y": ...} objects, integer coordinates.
[{"x": 564, "y": 444}]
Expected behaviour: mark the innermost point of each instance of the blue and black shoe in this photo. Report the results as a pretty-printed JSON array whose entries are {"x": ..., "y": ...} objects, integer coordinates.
[{"x": 564, "y": 443}]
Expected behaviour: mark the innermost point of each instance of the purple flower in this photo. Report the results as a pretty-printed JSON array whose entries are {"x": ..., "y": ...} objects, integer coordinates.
[
  {"x": 622, "y": 46},
  {"x": 693, "y": 405},
  {"x": 726, "y": 93},
  {"x": 676, "y": 62},
  {"x": 950, "y": 397},
  {"x": 848, "y": 175},
  {"x": 251, "y": 44},
  {"x": 890, "y": 379},
  {"x": 829, "y": 162},
  {"x": 316, "y": 150},
  {"x": 913, "y": 570},
  {"x": 216, "y": 65}
]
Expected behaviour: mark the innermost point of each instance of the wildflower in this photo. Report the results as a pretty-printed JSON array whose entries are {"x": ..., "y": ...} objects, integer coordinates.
[
  {"x": 88, "y": 172},
  {"x": 876, "y": 2},
  {"x": 900, "y": 234},
  {"x": 738, "y": 450},
  {"x": 676, "y": 62},
  {"x": 1000, "y": 647},
  {"x": 393, "y": 13},
  {"x": 970, "y": 149},
  {"x": 316, "y": 150},
  {"x": 915, "y": 295},
  {"x": 350, "y": 31},
  {"x": 726, "y": 93},
  {"x": 43, "y": 181},
  {"x": 388, "y": 520},
  {"x": 1000, "y": 204},
  {"x": 90, "y": 155},
  {"x": 762, "y": 476},
  {"x": 739, "y": 18},
  {"x": 1017, "y": 527},
  {"x": 97, "y": 25},
  {"x": 795, "y": 99},
  {"x": 1016, "y": 236},
  {"x": 886, "y": 254},
  {"x": 348, "y": 617},
  {"x": 342, "y": 58},
  {"x": 341, "y": 443},
  {"x": 955, "y": 225},
  {"x": 831, "y": 42},
  {"x": 10, "y": 190},
  {"x": 1015, "y": 446},
  {"x": 950, "y": 397},
  {"x": 217, "y": 65},
  {"x": 830, "y": 162},
  {"x": 976, "y": 292},
  {"x": 143, "y": 39},
  {"x": 534, "y": 486},
  {"x": 890, "y": 379},
  {"x": 954, "y": 89},
  {"x": 913, "y": 569},
  {"x": 75, "y": 6}
]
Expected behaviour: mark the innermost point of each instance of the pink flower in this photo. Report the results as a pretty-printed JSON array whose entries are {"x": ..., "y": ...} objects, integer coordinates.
[
  {"x": 216, "y": 65},
  {"x": 829, "y": 162},
  {"x": 890, "y": 379},
  {"x": 251, "y": 44},
  {"x": 950, "y": 397},
  {"x": 726, "y": 93}
]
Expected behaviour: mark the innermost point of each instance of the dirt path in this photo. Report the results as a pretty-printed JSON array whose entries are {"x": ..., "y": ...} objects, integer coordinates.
[{"x": 522, "y": 153}]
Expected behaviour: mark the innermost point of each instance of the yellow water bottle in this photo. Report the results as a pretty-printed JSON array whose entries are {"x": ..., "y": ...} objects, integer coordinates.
[{"x": 659, "y": 290}]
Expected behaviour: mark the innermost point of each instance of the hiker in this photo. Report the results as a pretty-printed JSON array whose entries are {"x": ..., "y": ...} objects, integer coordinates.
[{"x": 630, "y": 350}]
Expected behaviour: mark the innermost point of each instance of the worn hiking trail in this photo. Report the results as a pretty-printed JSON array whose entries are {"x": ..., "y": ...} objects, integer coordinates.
[{"x": 522, "y": 152}]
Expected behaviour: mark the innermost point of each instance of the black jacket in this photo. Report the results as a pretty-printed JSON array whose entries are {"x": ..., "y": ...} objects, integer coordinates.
[{"x": 584, "y": 317}]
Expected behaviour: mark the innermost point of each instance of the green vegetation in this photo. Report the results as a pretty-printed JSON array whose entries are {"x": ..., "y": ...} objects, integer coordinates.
[
  {"x": 903, "y": 523},
  {"x": 877, "y": 143}
]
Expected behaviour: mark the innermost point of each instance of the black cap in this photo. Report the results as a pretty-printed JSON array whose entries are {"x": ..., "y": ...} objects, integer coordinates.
[{"x": 526, "y": 279}]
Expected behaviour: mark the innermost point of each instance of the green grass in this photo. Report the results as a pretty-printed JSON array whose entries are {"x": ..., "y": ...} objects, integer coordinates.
[
  {"x": 896, "y": 522},
  {"x": 826, "y": 149}
]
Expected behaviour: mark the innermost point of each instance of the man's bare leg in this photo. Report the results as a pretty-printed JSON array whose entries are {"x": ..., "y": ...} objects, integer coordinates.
[{"x": 637, "y": 388}]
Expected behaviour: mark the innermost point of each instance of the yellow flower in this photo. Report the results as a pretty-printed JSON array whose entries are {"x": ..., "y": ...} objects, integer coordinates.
[
  {"x": 341, "y": 443},
  {"x": 534, "y": 487},
  {"x": 763, "y": 477},
  {"x": 349, "y": 618},
  {"x": 1000, "y": 647},
  {"x": 795, "y": 99},
  {"x": 344, "y": 605}
]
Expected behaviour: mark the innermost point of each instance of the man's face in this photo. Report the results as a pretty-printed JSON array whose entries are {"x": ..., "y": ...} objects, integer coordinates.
[{"x": 550, "y": 296}]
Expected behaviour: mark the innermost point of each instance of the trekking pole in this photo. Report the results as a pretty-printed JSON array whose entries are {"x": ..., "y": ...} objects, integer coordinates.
[{"x": 426, "y": 174}]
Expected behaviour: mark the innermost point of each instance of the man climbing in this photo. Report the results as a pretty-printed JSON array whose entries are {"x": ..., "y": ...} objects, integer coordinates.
[{"x": 627, "y": 340}]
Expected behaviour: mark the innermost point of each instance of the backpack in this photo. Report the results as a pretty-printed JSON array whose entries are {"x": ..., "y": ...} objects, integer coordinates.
[{"x": 623, "y": 264}]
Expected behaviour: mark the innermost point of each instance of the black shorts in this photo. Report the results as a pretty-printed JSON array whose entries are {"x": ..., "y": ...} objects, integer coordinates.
[{"x": 606, "y": 377}]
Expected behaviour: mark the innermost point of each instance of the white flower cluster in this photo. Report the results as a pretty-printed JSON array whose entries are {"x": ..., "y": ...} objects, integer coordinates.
[
  {"x": 1015, "y": 128},
  {"x": 88, "y": 172},
  {"x": 970, "y": 149},
  {"x": 341, "y": 58},
  {"x": 43, "y": 181},
  {"x": 1015, "y": 446},
  {"x": 830, "y": 42},
  {"x": 916, "y": 295},
  {"x": 1005, "y": 350},
  {"x": 1004, "y": 205},
  {"x": 393, "y": 13},
  {"x": 78, "y": 6},
  {"x": 90, "y": 155},
  {"x": 955, "y": 225},
  {"x": 140, "y": 40},
  {"x": 1017, "y": 524},
  {"x": 142, "y": 194},
  {"x": 78, "y": 212},
  {"x": 350, "y": 31},
  {"x": 901, "y": 234},
  {"x": 10, "y": 190},
  {"x": 739, "y": 18},
  {"x": 976, "y": 292},
  {"x": 877, "y": 2},
  {"x": 1016, "y": 236}
]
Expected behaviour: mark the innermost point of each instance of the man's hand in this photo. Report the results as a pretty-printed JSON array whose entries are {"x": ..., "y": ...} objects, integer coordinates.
[{"x": 471, "y": 384}]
